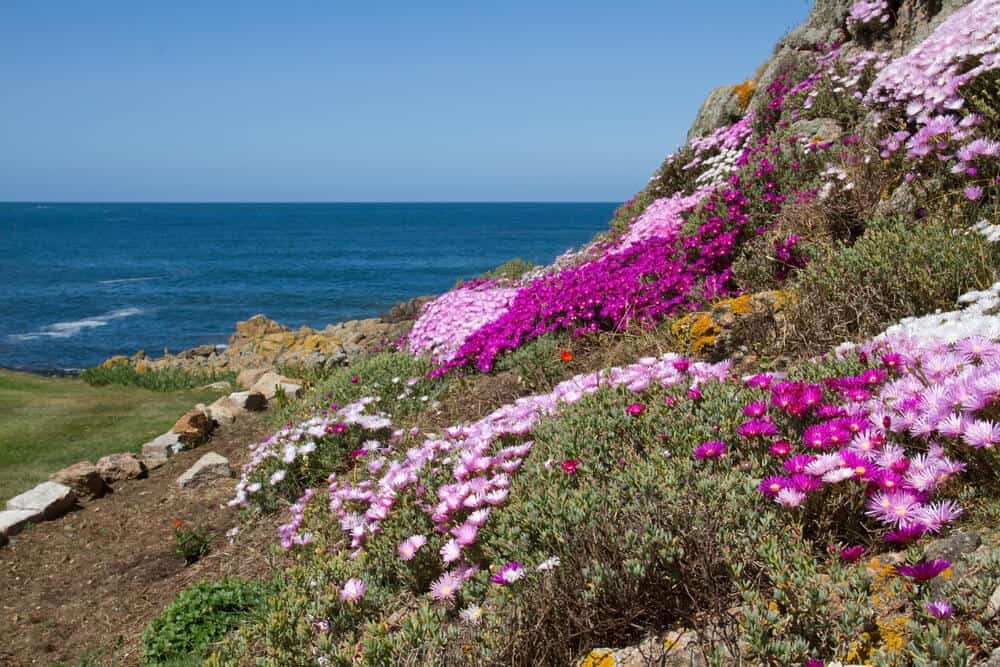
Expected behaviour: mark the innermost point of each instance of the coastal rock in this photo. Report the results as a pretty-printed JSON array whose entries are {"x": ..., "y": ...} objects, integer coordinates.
[
  {"x": 953, "y": 547},
  {"x": 50, "y": 499},
  {"x": 224, "y": 410},
  {"x": 254, "y": 328},
  {"x": 193, "y": 427},
  {"x": 12, "y": 521},
  {"x": 83, "y": 478},
  {"x": 208, "y": 468},
  {"x": 721, "y": 107},
  {"x": 161, "y": 448},
  {"x": 993, "y": 606},
  {"x": 115, "y": 468},
  {"x": 248, "y": 400},
  {"x": 248, "y": 377},
  {"x": 406, "y": 311},
  {"x": 270, "y": 383},
  {"x": 218, "y": 386},
  {"x": 676, "y": 649}
]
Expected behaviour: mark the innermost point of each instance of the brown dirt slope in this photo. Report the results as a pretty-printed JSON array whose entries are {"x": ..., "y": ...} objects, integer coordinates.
[{"x": 83, "y": 587}]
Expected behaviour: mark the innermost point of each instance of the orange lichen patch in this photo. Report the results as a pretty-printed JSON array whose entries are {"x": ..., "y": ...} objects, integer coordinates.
[
  {"x": 115, "y": 360},
  {"x": 744, "y": 91},
  {"x": 702, "y": 325},
  {"x": 740, "y": 305},
  {"x": 699, "y": 345}
]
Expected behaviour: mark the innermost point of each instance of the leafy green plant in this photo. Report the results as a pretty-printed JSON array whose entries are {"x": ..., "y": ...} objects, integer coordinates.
[
  {"x": 191, "y": 543},
  {"x": 197, "y": 618}
]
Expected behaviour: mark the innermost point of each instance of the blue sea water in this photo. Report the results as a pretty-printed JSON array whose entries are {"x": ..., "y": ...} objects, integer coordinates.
[{"x": 81, "y": 282}]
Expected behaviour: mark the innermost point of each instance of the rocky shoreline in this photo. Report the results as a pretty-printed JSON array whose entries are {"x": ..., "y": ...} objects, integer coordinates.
[{"x": 260, "y": 342}]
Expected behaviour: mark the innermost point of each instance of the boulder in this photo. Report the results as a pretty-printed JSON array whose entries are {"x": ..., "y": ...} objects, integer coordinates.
[
  {"x": 83, "y": 478},
  {"x": 255, "y": 328},
  {"x": 993, "y": 606},
  {"x": 50, "y": 499},
  {"x": 270, "y": 382},
  {"x": 248, "y": 400},
  {"x": 162, "y": 447},
  {"x": 224, "y": 410},
  {"x": 676, "y": 649},
  {"x": 12, "y": 521},
  {"x": 721, "y": 107},
  {"x": 115, "y": 468},
  {"x": 953, "y": 547},
  {"x": 208, "y": 468},
  {"x": 193, "y": 427},
  {"x": 248, "y": 377}
]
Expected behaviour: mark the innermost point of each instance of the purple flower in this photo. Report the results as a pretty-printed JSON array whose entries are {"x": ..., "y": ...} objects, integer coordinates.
[
  {"x": 635, "y": 409},
  {"x": 445, "y": 587},
  {"x": 973, "y": 192},
  {"x": 713, "y": 449},
  {"x": 852, "y": 553},
  {"x": 940, "y": 609},
  {"x": 408, "y": 548},
  {"x": 924, "y": 571}
]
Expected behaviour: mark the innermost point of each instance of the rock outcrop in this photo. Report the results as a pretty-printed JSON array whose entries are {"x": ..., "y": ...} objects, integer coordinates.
[
  {"x": 208, "y": 468},
  {"x": 83, "y": 478}
]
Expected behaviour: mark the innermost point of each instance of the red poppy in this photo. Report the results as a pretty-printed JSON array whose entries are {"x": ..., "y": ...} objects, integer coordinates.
[
  {"x": 176, "y": 523},
  {"x": 566, "y": 356}
]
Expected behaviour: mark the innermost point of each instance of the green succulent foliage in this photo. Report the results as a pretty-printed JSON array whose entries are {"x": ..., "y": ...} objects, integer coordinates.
[
  {"x": 197, "y": 618},
  {"x": 154, "y": 379},
  {"x": 537, "y": 363}
]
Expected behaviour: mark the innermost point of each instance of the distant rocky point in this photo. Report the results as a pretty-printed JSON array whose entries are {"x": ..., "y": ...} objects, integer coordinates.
[{"x": 262, "y": 342}]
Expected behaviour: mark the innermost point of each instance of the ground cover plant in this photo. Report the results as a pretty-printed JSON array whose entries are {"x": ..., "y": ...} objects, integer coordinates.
[
  {"x": 784, "y": 516},
  {"x": 156, "y": 379}
]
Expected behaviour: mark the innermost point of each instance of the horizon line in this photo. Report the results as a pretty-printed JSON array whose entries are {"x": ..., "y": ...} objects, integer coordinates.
[{"x": 263, "y": 201}]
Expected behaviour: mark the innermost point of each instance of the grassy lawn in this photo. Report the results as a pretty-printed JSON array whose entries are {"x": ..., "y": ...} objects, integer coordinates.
[{"x": 47, "y": 423}]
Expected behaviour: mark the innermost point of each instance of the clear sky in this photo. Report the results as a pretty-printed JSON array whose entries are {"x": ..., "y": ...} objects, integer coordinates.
[{"x": 284, "y": 100}]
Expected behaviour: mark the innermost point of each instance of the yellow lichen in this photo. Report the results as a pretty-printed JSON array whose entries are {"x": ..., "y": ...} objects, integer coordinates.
[
  {"x": 699, "y": 345},
  {"x": 744, "y": 92},
  {"x": 740, "y": 305},
  {"x": 599, "y": 658},
  {"x": 702, "y": 325}
]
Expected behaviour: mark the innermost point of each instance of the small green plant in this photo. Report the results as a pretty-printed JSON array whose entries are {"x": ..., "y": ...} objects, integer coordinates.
[
  {"x": 192, "y": 543},
  {"x": 197, "y": 618}
]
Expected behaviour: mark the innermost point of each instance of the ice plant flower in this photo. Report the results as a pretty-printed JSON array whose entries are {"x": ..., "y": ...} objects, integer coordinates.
[
  {"x": 445, "y": 587},
  {"x": 569, "y": 466},
  {"x": 472, "y": 614},
  {"x": 713, "y": 449},
  {"x": 408, "y": 548},
  {"x": 852, "y": 553},
  {"x": 924, "y": 571},
  {"x": 508, "y": 574},
  {"x": 548, "y": 564},
  {"x": 939, "y": 609},
  {"x": 353, "y": 590},
  {"x": 635, "y": 409},
  {"x": 355, "y": 379}
]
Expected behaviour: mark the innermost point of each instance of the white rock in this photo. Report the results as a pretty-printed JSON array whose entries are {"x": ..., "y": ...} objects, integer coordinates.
[
  {"x": 993, "y": 606},
  {"x": 208, "y": 468},
  {"x": 163, "y": 447},
  {"x": 269, "y": 383},
  {"x": 52, "y": 499},
  {"x": 224, "y": 410},
  {"x": 12, "y": 521}
]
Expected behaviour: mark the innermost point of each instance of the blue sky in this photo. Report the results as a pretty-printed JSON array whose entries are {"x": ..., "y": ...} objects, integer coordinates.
[{"x": 361, "y": 101}]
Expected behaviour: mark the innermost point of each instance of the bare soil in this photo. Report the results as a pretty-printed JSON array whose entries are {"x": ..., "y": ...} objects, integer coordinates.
[{"x": 83, "y": 587}]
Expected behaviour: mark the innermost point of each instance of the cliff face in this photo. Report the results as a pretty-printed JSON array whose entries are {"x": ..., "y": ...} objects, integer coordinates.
[{"x": 911, "y": 22}]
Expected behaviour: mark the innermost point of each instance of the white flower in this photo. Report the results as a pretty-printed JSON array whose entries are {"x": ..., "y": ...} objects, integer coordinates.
[
  {"x": 472, "y": 614},
  {"x": 278, "y": 476},
  {"x": 548, "y": 564}
]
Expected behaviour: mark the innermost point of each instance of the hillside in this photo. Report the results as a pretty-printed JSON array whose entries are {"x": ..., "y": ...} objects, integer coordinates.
[{"x": 755, "y": 422}]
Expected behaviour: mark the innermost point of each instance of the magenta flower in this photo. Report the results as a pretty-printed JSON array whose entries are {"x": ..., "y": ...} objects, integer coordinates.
[
  {"x": 569, "y": 466},
  {"x": 635, "y": 409},
  {"x": 694, "y": 393},
  {"x": 353, "y": 590},
  {"x": 852, "y": 553},
  {"x": 713, "y": 449},
  {"x": 358, "y": 453},
  {"x": 755, "y": 410},
  {"x": 781, "y": 448},
  {"x": 354, "y": 379},
  {"x": 940, "y": 609},
  {"x": 924, "y": 571},
  {"x": 508, "y": 574},
  {"x": 904, "y": 534},
  {"x": 771, "y": 486}
]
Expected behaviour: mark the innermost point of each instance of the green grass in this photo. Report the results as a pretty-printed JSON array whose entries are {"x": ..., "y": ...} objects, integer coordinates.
[{"x": 48, "y": 423}]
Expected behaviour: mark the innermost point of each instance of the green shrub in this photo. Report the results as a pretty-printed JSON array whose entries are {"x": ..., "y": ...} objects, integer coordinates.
[
  {"x": 156, "y": 379},
  {"x": 385, "y": 375},
  {"x": 896, "y": 269},
  {"x": 197, "y": 618},
  {"x": 538, "y": 364},
  {"x": 512, "y": 269}
]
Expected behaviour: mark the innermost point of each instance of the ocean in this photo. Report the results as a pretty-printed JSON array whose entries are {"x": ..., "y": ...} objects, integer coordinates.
[{"x": 82, "y": 282}]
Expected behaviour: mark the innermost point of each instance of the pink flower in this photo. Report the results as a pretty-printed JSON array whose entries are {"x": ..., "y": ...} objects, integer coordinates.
[
  {"x": 408, "y": 548},
  {"x": 635, "y": 409},
  {"x": 354, "y": 379},
  {"x": 445, "y": 587},
  {"x": 973, "y": 192},
  {"x": 569, "y": 466},
  {"x": 508, "y": 574},
  {"x": 713, "y": 449},
  {"x": 353, "y": 590},
  {"x": 852, "y": 553},
  {"x": 451, "y": 551}
]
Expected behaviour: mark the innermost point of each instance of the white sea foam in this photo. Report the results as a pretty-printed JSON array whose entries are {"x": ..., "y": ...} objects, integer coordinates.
[
  {"x": 70, "y": 329},
  {"x": 117, "y": 281}
]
